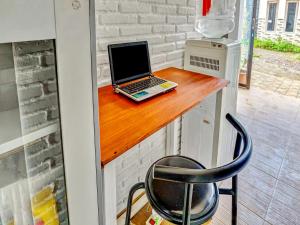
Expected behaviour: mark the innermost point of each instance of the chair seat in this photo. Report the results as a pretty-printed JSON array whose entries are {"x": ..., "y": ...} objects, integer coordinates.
[{"x": 167, "y": 198}]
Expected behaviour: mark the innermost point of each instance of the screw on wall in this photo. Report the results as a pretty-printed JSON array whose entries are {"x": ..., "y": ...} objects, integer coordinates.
[{"x": 76, "y": 4}]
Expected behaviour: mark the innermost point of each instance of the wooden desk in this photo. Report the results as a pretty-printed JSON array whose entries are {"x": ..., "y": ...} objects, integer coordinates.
[{"x": 124, "y": 123}]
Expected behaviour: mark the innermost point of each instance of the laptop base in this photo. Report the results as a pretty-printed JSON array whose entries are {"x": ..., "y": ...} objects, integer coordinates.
[{"x": 149, "y": 92}]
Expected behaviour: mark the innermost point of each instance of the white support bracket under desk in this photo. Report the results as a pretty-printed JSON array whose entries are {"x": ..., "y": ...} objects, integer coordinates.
[{"x": 110, "y": 193}]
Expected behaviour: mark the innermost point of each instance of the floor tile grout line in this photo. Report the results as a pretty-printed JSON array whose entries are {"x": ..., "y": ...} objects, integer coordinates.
[
  {"x": 264, "y": 193},
  {"x": 265, "y": 171},
  {"x": 285, "y": 157},
  {"x": 253, "y": 212},
  {"x": 282, "y": 159},
  {"x": 229, "y": 212},
  {"x": 273, "y": 194},
  {"x": 255, "y": 186},
  {"x": 277, "y": 180},
  {"x": 281, "y": 223},
  {"x": 258, "y": 191},
  {"x": 241, "y": 203}
]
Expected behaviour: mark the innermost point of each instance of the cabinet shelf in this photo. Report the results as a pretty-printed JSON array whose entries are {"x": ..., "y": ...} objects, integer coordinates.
[{"x": 11, "y": 135}]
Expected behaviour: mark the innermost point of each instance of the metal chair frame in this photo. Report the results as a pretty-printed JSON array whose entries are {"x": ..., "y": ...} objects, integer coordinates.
[{"x": 195, "y": 176}]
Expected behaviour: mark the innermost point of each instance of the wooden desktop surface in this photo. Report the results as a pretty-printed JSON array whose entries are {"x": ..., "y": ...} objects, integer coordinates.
[{"x": 124, "y": 123}]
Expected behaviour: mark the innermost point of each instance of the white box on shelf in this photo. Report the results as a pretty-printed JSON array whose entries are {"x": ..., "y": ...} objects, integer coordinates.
[{"x": 206, "y": 135}]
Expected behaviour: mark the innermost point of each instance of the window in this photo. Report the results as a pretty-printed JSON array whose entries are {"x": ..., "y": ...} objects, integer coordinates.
[
  {"x": 272, "y": 9},
  {"x": 290, "y": 16}
]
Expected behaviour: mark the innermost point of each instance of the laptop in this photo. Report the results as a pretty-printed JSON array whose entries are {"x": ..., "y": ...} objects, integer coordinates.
[{"x": 131, "y": 72}]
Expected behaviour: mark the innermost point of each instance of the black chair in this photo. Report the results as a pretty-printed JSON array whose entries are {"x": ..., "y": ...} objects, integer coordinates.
[{"x": 182, "y": 191}]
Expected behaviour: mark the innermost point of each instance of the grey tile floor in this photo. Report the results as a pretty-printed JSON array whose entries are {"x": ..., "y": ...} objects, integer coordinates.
[
  {"x": 276, "y": 71},
  {"x": 269, "y": 188}
]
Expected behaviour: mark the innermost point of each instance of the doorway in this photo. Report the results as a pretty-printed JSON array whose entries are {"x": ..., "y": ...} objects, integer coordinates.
[{"x": 248, "y": 35}]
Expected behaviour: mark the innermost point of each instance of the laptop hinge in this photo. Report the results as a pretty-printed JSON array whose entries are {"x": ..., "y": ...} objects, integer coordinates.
[
  {"x": 115, "y": 86},
  {"x": 151, "y": 75}
]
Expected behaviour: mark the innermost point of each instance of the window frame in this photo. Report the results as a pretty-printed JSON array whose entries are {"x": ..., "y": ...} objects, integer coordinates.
[
  {"x": 267, "y": 16},
  {"x": 286, "y": 15}
]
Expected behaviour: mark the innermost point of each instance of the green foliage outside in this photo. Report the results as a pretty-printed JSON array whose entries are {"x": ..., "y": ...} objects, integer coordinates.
[{"x": 279, "y": 45}]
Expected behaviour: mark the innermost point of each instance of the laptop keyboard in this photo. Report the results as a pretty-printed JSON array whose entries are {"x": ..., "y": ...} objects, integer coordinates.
[{"x": 143, "y": 84}]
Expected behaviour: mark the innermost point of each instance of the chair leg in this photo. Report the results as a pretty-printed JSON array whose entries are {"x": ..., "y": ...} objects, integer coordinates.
[
  {"x": 130, "y": 198},
  {"x": 234, "y": 200},
  {"x": 186, "y": 220},
  {"x": 235, "y": 181}
]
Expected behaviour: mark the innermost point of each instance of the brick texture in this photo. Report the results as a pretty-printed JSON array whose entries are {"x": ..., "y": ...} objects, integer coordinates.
[
  {"x": 38, "y": 102},
  {"x": 165, "y": 24},
  {"x": 134, "y": 164},
  {"x": 36, "y": 83}
]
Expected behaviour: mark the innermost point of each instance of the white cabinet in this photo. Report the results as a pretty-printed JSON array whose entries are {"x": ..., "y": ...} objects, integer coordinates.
[
  {"x": 200, "y": 120},
  {"x": 25, "y": 20},
  {"x": 48, "y": 138},
  {"x": 31, "y": 151},
  {"x": 212, "y": 142}
]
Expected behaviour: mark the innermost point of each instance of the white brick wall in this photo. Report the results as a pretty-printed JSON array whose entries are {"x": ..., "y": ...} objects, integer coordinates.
[
  {"x": 131, "y": 171},
  {"x": 165, "y": 24}
]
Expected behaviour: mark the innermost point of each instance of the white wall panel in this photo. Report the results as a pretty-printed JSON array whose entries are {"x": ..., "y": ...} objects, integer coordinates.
[{"x": 24, "y": 20}]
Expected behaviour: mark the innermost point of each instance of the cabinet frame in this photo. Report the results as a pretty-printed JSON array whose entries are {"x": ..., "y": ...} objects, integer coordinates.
[{"x": 71, "y": 23}]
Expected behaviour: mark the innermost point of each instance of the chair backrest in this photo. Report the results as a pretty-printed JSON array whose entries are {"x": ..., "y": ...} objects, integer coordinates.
[{"x": 193, "y": 176}]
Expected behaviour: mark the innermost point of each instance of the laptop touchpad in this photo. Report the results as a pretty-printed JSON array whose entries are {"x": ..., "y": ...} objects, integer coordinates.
[{"x": 140, "y": 94}]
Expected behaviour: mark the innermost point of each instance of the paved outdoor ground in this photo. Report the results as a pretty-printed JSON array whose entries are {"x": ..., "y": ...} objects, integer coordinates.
[
  {"x": 276, "y": 71},
  {"x": 269, "y": 188}
]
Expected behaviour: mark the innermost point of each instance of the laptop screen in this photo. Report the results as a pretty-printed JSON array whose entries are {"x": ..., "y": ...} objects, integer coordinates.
[{"x": 129, "y": 61}]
